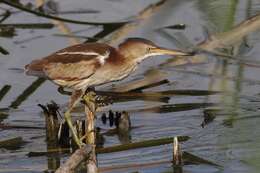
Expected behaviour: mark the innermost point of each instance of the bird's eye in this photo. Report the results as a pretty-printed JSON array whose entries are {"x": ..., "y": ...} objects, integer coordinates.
[{"x": 149, "y": 49}]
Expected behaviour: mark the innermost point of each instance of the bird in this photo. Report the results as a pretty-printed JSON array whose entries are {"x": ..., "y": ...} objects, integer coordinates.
[{"x": 86, "y": 65}]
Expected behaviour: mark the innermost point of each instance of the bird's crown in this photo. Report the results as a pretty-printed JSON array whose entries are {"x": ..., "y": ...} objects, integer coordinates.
[{"x": 136, "y": 41}]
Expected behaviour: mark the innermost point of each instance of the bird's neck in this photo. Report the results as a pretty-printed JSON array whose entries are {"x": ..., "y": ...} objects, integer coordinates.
[{"x": 129, "y": 56}]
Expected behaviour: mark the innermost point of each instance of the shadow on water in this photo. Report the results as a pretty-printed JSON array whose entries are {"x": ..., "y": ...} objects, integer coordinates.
[{"x": 219, "y": 90}]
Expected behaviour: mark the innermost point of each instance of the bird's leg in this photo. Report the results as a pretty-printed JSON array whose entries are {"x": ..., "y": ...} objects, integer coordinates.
[
  {"x": 90, "y": 100},
  {"x": 74, "y": 99},
  {"x": 90, "y": 109}
]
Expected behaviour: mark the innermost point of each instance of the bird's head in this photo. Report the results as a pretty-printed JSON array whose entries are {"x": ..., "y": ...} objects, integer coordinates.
[{"x": 140, "y": 49}]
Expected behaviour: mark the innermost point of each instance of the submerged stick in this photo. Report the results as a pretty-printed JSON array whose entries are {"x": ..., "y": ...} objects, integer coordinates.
[
  {"x": 8, "y": 126},
  {"x": 12, "y": 143},
  {"x": 3, "y": 51},
  {"x": 4, "y": 91},
  {"x": 177, "y": 153},
  {"x": 28, "y": 25},
  {"x": 159, "y": 93},
  {"x": 188, "y": 159},
  {"x": 141, "y": 144},
  {"x": 52, "y": 127},
  {"x": 75, "y": 159},
  {"x": 177, "y": 159},
  {"x": 117, "y": 148}
]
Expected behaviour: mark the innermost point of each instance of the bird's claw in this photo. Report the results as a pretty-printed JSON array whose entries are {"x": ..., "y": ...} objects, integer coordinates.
[
  {"x": 90, "y": 100},
  {"x": 79, "y": 142}
]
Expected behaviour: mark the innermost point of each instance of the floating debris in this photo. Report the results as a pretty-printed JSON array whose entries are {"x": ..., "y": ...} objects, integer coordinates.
[
  {"x": 64, "y": 135},
  {"x": 177, "y": 153},
  {"x": 12, "y": 143},
  {"x": 124, "y": 123},
  {"x": 104, "y": 118},
  {"x": 124, "y": 127},
  {"x": 3, "y": 115},
  {"x": 180, "y": 26},
  {"x": 116, "y": 120},
  {"x": 209, "y": 116},
  {"x": 5, "y": 15},
  {"x": 193, "y": 159},
  {"x": 100, "y": 140},
  {"x": 7, "y": 32},
  {"x": 111, "y": 118},
  {"x": 3, "y": 51},
  {"x": 51, "y": 123}
]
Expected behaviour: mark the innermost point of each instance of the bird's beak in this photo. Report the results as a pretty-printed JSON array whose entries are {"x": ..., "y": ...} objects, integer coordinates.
[{"x": 165, "y": 51}]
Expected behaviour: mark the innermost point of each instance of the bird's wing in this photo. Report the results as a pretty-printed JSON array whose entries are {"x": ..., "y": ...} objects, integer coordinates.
[
  {"x": 71, "y": 71},
  {"x": 74, "y": 62}
]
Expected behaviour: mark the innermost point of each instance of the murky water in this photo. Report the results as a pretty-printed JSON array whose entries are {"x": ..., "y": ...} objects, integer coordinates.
[{"x": 231, "y": 140}]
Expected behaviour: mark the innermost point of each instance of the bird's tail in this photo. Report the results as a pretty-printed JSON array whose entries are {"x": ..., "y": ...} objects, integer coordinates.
[{"x": 35, "y": 68}]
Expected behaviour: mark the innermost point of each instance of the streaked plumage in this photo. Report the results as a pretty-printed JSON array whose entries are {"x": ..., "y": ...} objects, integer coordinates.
[
  {"x": 78, "y": 66},
  {"x": 91, "y": 64}
]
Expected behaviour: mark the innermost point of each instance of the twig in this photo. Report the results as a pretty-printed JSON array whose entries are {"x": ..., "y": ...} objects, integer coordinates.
[
  {"x": 18, "y": 6},
  {"x": 177, "y": 153},
  {"x": 28, "y": 25},
  {"x": 75, "y": 159},
  {"x": 158, "y": 94},
  {"x": 4, "y": 91}
]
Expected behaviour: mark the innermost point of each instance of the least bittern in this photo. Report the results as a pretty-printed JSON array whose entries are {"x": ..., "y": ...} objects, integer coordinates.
[{"x": 90, "y": 64}]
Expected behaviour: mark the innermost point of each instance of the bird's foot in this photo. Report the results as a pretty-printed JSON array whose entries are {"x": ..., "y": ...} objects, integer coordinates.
[
  {"x": 86, "y": 135},
  {"x": 79, "y": 142},
  {"x": 73, "y": 131},
  {"x": 90, "y": 100},
  {"x": 103, "y": 100}
]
